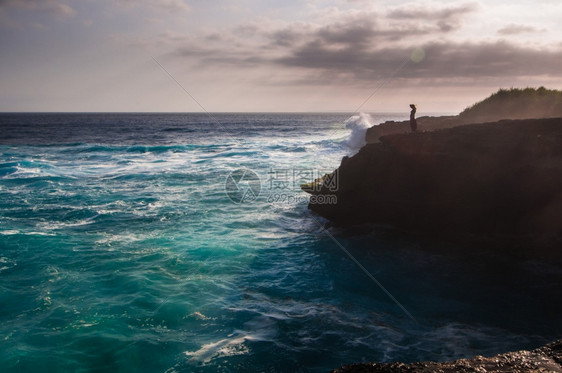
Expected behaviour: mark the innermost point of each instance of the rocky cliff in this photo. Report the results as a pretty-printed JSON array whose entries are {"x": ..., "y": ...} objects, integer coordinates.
[
  {"x": 500, "y": 179},
  {"x": 544, "y": 359},
  {"x": 511, "y": 103}
]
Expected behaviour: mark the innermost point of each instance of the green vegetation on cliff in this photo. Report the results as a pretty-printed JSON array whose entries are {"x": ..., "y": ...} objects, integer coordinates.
[{"x": 516, "y": 103}]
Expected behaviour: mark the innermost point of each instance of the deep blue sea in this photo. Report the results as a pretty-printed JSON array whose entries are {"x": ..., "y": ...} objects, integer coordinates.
[{"x": 183, "y": 243}]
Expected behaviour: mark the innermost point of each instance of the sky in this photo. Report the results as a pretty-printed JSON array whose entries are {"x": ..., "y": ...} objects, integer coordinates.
[{"x": 272, "y": 55}]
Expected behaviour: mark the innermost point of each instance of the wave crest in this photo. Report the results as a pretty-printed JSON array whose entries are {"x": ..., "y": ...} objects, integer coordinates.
[{"x": 358, "y": 124}]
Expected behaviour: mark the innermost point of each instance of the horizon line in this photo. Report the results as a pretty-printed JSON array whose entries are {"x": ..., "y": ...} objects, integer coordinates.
[{"x": 222, "y": 112}]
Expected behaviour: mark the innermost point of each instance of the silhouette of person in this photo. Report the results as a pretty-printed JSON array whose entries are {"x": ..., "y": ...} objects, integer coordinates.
[{"x": 413, "y": 122}]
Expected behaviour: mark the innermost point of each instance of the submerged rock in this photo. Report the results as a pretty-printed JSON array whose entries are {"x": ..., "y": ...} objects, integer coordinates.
[
  {"x": 500, "y": 179},
  {"x": 544, "y": 359}
]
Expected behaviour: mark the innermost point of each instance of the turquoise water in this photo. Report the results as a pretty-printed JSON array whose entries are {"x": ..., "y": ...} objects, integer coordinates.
[{"x": 122, "y": 249}]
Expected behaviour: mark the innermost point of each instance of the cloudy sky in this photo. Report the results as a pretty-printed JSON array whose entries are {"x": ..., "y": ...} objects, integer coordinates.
[{"x": 273, "y": 55}]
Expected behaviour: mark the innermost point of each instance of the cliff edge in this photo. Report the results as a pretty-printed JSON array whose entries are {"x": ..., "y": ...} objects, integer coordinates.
[
  {"x": 514, "y": 103},
  {"x": 499, "y": 179}
]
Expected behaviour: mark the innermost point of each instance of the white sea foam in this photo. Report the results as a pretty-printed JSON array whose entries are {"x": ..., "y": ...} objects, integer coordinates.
[
  {"x": 12, "y": 232},
  {"x": 6, "y": 263},
  {"x": 9, "y": 232},
  {"x": 123, "y": 238},
  {"x": 259, "y": 329},
  {"x": 224, "y": 347},
  {"x": 358, "y": 124},
  {"x": 50, "y": 226},
  {"x": 198, "y": 315}
]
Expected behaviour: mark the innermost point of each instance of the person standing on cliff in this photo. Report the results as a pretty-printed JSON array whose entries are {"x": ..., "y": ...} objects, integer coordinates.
[{"x": 413, "y": 122}]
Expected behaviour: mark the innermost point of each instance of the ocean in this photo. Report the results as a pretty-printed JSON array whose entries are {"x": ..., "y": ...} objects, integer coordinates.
[{"x": 183, "y": 243}]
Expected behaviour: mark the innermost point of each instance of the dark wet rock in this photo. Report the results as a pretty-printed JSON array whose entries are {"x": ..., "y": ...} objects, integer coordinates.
[
  {"x": 501, "y": 179},
  {"x": 544, "y": 359}
]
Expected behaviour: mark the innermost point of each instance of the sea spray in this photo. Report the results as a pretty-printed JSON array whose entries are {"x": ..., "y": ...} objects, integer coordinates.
[{"x": 358, "y": 124}]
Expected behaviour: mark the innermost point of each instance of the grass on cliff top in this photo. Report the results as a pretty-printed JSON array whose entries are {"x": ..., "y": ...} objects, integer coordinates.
[{"x": 516, "y": 103}]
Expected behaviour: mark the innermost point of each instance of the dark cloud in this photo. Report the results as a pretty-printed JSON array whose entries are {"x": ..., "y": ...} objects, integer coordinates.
[
  {"x": 431, "y": 13},
  {"x": 362, "y": 31},
  {"x": 285, "y": 37},
  {"x": 203, "y": 57},
  {"x": 359, "y": 32},
  {"x": 442, "y": 61},
  {"x": 366, "y": 47},
  {"x": 310, "y": 44},
  {"x": 447, "y": 19},
  {"x": 513, "y": 29},
  {"x": 487, "y": 61}
]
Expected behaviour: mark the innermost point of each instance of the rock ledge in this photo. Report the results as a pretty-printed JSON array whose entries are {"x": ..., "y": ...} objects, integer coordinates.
[{"x": 544, "y": 359}]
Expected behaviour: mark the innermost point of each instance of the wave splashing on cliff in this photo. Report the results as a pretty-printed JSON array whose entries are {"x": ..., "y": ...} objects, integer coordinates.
[{"x": 358, "y": 124}]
